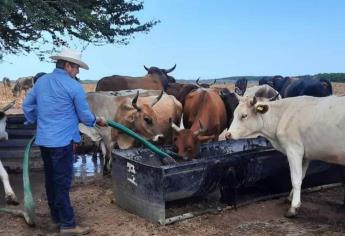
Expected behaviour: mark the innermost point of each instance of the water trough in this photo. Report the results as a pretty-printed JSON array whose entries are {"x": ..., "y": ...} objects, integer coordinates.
[{"x": 226, "y": 174}]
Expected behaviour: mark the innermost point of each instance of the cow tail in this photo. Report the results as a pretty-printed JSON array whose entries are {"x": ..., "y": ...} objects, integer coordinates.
[{"x": 328, "y": 85}]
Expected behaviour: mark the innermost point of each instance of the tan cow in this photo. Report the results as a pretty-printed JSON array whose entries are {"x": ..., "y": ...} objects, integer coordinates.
[
  {"x": 143, "y": 114},
  {"x": 304, "y": 128}
]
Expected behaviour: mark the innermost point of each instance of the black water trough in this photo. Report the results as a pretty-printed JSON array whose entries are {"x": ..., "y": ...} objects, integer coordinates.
[
  {"x": 12, "y": 150},
  {"x": 225, "y": 172}
]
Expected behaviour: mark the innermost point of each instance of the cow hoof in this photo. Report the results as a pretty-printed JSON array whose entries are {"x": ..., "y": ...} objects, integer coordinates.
[
  {"x": 291, "y": 213},
  {"x": 12, "y": 200},
  {"x": 106, "y": 173}
]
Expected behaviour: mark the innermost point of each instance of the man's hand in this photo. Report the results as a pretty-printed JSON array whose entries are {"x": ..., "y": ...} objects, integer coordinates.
[{"x": 101, "y": 121}]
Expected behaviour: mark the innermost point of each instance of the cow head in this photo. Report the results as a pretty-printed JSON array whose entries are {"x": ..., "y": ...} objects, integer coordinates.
[
  {"x": 143, "y": 119},
  {"x": 230, "y": 101},
  {"x": 161, "y": 75},
  {"x": 187, "y": 142},
  {"x": 241, "y": 86},
  {"x": 247, "y": 121},
  {"x": 3, "y": 133}
]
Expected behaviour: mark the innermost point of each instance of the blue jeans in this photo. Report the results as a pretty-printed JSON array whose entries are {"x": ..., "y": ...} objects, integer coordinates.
[{"x": 58, "y": 170}]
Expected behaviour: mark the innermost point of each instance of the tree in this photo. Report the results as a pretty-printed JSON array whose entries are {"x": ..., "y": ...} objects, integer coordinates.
[{"x": 30, "y": 25}]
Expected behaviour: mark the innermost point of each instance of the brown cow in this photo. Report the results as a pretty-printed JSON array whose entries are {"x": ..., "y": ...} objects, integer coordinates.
[
  {"x": 204, "y": 118},
  {"x": 155, "y": 79}
]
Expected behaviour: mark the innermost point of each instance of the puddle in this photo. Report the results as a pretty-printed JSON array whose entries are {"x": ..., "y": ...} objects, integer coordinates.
[{"x": 85, "y": 166}]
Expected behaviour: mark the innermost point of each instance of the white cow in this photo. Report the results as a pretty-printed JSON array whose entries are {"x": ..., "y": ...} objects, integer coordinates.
[
  {"x": 304, "y": 128},
  {"x": 9, "y": 194}
]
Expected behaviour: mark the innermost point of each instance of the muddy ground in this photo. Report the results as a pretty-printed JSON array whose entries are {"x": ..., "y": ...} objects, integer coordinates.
[{"x": 321, "y": 213}]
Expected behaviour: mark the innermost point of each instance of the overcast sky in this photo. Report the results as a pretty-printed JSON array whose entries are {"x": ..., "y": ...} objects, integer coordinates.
[{"x": 213, "y": 39}]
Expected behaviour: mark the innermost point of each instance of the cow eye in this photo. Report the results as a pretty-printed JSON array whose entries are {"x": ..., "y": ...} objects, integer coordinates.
[
  {"x": 148, "y": 120},
  {"x": 243, "y": 116}
]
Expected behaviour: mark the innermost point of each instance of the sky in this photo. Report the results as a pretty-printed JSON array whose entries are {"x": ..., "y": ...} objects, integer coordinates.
[{"x": 220, "y": 38}]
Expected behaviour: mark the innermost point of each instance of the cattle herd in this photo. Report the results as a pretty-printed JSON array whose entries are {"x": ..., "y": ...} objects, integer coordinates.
[{"x": 299, "y": 116}]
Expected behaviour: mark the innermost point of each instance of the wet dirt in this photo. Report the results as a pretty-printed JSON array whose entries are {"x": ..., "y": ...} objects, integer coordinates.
[{"x": 321, "y": 214}]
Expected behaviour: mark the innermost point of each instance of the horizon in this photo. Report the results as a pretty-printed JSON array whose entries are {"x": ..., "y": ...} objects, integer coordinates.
[{"x": 217, "y": 40}]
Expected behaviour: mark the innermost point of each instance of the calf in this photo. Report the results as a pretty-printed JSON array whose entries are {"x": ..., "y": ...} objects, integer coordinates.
[{"x": 303, "y": 128}]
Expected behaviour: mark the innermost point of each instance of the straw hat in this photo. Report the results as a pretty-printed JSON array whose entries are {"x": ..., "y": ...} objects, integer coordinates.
[{"x": 70, "y": 55}]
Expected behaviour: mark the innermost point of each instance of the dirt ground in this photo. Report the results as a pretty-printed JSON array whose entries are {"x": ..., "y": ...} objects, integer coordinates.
[{"x": 321, "y": 213}]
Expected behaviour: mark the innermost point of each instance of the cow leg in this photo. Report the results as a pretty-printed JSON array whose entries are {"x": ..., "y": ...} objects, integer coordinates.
[
  {"x": 304, "y": 171},
  {"x": 11, "y": 198},
  {"x": 106, "y": 150},
  {"x": 295, "y": 158}
]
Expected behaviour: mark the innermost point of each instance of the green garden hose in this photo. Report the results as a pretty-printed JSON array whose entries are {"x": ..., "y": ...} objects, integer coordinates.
[
  {"x": 29, "y": 205},
  {"x": 166, "y": 158}
]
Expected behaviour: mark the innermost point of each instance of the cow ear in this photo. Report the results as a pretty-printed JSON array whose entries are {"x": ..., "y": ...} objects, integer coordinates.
[
  {"x": 129, "y": 119},
  {"x": 261, "y": 108}
]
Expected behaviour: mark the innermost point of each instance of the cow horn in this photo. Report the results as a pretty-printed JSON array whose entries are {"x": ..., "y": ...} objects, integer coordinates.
[
  {"x": 170, "y": 70},
  {"x": 197, "y": 82},
  {"x": 157, "y": 99},
  {"x": 253, "y": 102},
  {"x": 275, "y": 97},
  {"x": 175, "y": 127},
  {"x": 146, "y": 68},
  {"x": 8, "y": 106},
  {"x": 201, "y": 130},
  {"x": 134, "y": 102}
]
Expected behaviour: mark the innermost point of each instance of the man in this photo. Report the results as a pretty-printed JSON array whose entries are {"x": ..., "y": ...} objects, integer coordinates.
[{"x": 57, "y": 103}]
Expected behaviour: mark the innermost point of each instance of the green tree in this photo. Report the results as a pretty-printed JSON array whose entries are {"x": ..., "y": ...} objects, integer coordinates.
[{"x": 30, "y": 25}]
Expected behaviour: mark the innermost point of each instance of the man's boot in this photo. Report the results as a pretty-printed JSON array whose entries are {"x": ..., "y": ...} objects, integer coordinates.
[{"x": 74, "y": 231}]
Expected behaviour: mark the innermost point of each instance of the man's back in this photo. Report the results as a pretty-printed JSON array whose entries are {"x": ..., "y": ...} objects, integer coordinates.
[{"x": 60, "y": 105}]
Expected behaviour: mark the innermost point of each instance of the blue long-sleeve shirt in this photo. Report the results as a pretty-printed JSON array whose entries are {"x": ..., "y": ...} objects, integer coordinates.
[{"x": 57, "y": 103}]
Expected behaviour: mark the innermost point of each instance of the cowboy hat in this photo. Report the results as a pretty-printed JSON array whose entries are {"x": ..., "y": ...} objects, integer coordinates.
[{"x": 70, "y": 55}]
